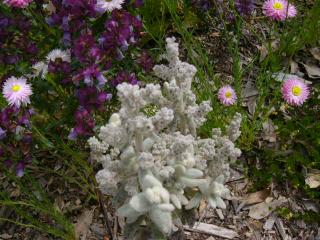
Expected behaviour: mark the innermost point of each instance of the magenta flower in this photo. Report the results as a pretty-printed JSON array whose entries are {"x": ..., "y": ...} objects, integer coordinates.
[
  {"x": 227, "y": 95},
  {"x": 295, "y": 92},
  {"x": 17, "y": 91},
  {"x": 279, "y": 9},
  {"x": 17, "y": 3}
]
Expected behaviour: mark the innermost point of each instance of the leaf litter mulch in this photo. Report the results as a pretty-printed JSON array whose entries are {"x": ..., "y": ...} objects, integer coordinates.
[{"x": 249, "y": 215}]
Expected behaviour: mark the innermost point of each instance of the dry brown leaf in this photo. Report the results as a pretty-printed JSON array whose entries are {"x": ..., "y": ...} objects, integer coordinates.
[
  {"x": 202, "y": 206},
  {"x": 256, "y": 197},
  {"x": 263, "y": 209},
  {"x": 315, "y": 53},
  {"x": 83, "y": 224},
  {"x": 281, "y": 76},
  {"x": 254, "y": 225},
  {"x": 269, "y": 131},
  {"x": 250, "y": 90},
  {"x": 313, "y": 71},
  {"x": 264, "y": 49},
  {"x": 269, "y": 223},
  {"x": 294, "y": 67},
  {"x": 214, "y": 34},
  {"x": 5, "y": 236},
  {"x": 313, "y": 178}
]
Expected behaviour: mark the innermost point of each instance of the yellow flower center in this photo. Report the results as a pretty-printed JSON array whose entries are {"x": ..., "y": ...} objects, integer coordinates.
[
  {"x": 296, "y": 90},
  {"x": 278, "y": 6},
  {"x": 16, "y": 88},
  {"x": 228, "y": 94}
]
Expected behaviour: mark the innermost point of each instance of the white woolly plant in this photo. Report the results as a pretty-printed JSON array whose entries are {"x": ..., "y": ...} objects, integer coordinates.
[{"x": 157, "y": 164}]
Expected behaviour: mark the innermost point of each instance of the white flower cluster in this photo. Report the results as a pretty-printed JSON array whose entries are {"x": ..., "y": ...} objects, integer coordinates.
[
  {"x": 41, "y": 68},
  {"x": 157, "y": 162}
]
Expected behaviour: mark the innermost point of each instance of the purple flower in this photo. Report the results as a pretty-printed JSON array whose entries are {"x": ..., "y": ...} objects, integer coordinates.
[
  {"x": 145, "y": 61},
  {"x": 85, "y": 49},
  {"x": 70, "y": 15},
  {"x": 124, "y": 76},
  {"x": 1, "y": 151},
  {"x": 4, "y": 22},
  {"x": 91, "y": 98},
  {"x": 245, "y": 7},
  {"x": 31, "y": 48},
  {"x": 20, "y": 169},
  {"x": 138, "y": 3},
  {"x": 3, "y": 133},
  {"x": 12, "y": 59},
  {"x": 122, "y": 30},
  {"x": 27, "y": 139},
  {"x": 204, "y": 5},
  {"x": 73, "y": 135},
  {"x": 84, "y": 124},
  {"x": 24, "y": 118},
  {"x": 91, "y": 76},
  {"x": 8, "y": 163},
  {"x": 6, "y": 115},
  {"x": 59, "y": 67}
]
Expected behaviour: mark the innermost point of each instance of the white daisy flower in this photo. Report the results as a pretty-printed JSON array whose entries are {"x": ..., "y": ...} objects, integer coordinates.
[
  {"x": 40, "y": 68},
  {"x": 108, "y": 5},
  {"x": 58, "y": 53}
]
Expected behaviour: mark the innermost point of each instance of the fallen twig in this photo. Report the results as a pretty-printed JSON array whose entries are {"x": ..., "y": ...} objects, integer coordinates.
[
  {"x": 105, "y": 214},
  {"x": 211, "y": 230}
]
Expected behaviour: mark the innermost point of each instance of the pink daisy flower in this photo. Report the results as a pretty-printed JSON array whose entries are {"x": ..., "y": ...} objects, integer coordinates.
[
  {"x": 17, "y": 91},
  {"x": 295, "y": 92},
  {"x": 17, "y": 3},
  {"x": 227, "y": 95},
  {"x": 279, "y": 9}
]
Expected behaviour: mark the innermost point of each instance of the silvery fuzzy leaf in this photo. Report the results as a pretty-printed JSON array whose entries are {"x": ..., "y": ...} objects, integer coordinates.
[
  {"x": 180, "y": 169},
  {"x": 157, "y": 195},
  {"x": 140, "y": 203},
  {"x": 162, "y": 220},
  {"x": 147, "y": 144},
  {"x": 127, "y": 153},
  {"x": 115, "y": 120},
  {"x": 220, "y": 179},
  {"x": 130, "y": 165},
  {"x": 128, "y": 212},
  {"x": 190, "y": 182},
  {"x": 194, "y": 202},
  {"x": 175, "y": 200},
  {"x": 183, "y": 199},
  {"x": 194, "y": 173},
  {"x": 219, "y": 202},
  {"x": 114, "y": 136},
  {"x": 167, "y": 207},
  {"x": 149, "y": 181},
  {"x": 212, "y": 202}
]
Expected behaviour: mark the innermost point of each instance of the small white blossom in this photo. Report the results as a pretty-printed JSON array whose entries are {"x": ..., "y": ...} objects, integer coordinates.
[
  {"x": 59, "y": 54},
  {"x": 40, "y": 69}
]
